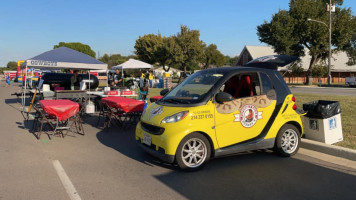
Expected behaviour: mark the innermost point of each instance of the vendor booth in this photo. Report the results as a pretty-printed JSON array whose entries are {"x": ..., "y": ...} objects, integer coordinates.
[
  {"x": 62, "y": 58},
  {"x": 132, "y": 64}
]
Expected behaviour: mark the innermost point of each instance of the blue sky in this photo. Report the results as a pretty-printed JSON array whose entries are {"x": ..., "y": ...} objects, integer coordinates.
[{"x": 30, "y": 27}]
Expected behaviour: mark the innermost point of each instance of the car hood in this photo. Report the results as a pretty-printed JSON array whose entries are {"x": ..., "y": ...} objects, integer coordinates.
[{"x": 155, "y": 113}]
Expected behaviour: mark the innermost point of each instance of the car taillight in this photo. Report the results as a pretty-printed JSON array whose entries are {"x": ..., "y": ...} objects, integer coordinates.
[
  {"x": 294, "y": 107},
  {"x": 293, "y": 98}
]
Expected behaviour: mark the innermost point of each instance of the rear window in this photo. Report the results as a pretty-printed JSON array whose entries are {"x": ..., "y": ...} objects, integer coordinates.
[{"x": 266, "y": 83}]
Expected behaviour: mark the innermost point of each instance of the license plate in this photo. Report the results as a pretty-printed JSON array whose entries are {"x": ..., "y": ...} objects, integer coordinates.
[{"x": 147, "y": 139}]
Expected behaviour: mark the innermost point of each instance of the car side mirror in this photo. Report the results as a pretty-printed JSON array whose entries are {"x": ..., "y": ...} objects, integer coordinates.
[
  {"x": 222, "y": 97},
  {"x": 164, "y": 92}
]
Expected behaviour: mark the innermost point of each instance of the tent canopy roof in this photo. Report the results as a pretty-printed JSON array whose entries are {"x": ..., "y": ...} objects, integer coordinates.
[
  {"x": 133, "y": 64},
  {"x": 64, "y": 58}
]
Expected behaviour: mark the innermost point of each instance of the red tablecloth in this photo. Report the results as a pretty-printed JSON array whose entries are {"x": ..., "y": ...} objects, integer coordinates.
[
  {"x": 62, "y": 108},
  {"x": 126, "y": 104},
  {"x": 155, "y": 98}
]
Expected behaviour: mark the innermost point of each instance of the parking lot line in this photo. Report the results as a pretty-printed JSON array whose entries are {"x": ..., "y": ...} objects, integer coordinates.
[{"x": 67, "y": 183}]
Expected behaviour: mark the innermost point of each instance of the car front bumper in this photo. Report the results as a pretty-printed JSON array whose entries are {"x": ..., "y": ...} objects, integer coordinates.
[{"x": 158, "y": 154}]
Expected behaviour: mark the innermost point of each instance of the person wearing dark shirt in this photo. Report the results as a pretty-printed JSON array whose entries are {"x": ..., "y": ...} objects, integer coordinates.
[
  {"x": 74, "y": 79},
  {"x": 117, "y": 77}
]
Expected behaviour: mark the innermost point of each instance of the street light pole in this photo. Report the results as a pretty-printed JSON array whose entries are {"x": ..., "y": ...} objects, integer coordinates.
[
  {"x": 329, "y": 59},
  {"x": 329, "y": 27}
]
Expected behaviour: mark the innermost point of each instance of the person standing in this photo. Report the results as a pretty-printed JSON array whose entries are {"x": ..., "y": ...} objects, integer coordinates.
[
  {"x": 150, "y": 78},
  {"x": 8, "y": 81},
  {"x": 142, "y": 79},
  {"x": 117, "y": 77},
  {"x": 74, "y": 79}
]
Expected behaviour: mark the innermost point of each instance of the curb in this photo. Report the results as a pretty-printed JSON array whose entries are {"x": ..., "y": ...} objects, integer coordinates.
[
  {"x": 342, "y": 152},
  {"x": 302, "y": 86}
]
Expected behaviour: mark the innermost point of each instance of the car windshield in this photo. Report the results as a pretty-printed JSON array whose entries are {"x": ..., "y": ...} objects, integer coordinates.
[{"x": 194, "y": 88}]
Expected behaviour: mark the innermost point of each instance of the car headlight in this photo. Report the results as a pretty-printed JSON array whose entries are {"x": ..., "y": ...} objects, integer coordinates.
[{"x": 176, "y": 117}]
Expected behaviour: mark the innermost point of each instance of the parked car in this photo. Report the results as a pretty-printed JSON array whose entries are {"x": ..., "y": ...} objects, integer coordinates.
[
  {"x": 350, "y": 81},
  {"x": 222, "y": 111}
]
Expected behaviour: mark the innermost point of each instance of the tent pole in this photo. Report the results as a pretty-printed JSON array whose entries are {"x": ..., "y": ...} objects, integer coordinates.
[
  {"x": 89, "y": 85},
  {"x": 24, "y": 92},
  {"x": 107, "y": 78}
]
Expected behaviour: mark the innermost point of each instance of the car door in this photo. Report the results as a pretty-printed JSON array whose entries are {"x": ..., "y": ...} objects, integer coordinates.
[{"x": 244, "y": 117}]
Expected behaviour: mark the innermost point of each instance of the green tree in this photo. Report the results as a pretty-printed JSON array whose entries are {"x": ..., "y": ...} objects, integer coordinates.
[
  {"x": 147, "y": 46},
  {"x": 297, "y": 70},
  {"x": 166, "y": 52},
  {"x": 289, "y": 32},
  {"x": 183, "y": 50},
  {"x": 12, "y": 65},
  {"x": 78, "y": 47},
  {"x": 351, "y": 48},
  {"x": 213, "y": 56},
  {"x": 156, "y": 49},
  {"x": 319, "y": 71},
  {"x": 191, "y": 47},
  {"x": 114, "y": 59},
  {"x": 231, "y": 61}
]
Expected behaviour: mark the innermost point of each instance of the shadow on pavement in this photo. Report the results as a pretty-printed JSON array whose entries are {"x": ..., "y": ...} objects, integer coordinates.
[
  {"x": 261, "y": 176},
  {"x": 258, "y": 175},
  {"x": 123, "y": 140},
  {"x": 12, "y": 101}
]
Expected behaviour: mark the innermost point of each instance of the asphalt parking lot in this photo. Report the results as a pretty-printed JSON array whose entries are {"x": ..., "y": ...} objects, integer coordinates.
[{"x": 108, "y": 164}]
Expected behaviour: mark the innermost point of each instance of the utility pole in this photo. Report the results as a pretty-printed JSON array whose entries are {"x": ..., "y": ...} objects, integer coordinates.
[
  {"x": 330, "y": 8},
  {"x": 329, "y": 58}
]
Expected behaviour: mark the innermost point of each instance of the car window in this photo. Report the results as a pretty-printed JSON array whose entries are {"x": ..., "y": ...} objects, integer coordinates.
[
  {"x": 266, "y": 83},
  {"x": 194, "y": 88},
  {"x": 243, "y": 85}
]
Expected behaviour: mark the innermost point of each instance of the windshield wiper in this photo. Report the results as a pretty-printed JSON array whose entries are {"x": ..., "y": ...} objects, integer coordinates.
[
  {"x": 177, "y": 101},
  {"x": 169, "y": 100}
]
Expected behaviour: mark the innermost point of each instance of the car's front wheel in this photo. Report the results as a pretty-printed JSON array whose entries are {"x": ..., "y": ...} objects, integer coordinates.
[
  {"x": 287, "y": 141},
  {"x": 193, "y": 152}
]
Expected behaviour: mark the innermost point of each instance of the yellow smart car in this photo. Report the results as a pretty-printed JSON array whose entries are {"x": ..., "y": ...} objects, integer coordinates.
[{"x": 222, "y": 111}]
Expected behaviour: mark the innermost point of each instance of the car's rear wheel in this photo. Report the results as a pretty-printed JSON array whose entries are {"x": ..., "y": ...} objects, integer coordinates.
[
  {"x": 287, "y": 141},
  {"x": 193, "y": 152}
]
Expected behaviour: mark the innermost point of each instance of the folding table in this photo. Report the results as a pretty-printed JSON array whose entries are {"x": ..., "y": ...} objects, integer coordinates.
[
  {"x": 62, "y": 109},
  {"x": 127, "y": 110}
]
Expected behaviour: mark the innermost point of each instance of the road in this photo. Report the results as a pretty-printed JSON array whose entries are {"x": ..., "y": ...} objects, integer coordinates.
[
  {"x": 324, "y": 90},
  {"x": 110, "y": 165}
]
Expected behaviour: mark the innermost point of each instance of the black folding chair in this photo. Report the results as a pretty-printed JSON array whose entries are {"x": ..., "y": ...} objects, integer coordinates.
[
  {"x": 41, "y": 119},
  {"x": 76, "y": 121},
  {"x": 112, "y": 113},
  {"x": 104, "y": 111}
]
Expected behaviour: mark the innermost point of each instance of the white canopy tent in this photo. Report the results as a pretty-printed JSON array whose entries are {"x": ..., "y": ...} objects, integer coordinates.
[
  {"x": 133, "y": 64},
  {"x": 63, "y": 58}
]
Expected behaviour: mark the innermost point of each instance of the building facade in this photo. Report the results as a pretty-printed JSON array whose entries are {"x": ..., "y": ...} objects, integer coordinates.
[{"x": 339, "y": 68}]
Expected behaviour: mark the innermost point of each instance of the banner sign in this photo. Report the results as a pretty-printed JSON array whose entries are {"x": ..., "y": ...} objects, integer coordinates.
[{"x": 42, "y": 63}]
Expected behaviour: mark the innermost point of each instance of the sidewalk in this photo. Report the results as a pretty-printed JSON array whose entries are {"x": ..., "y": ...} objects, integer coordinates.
[{"x": 341, "y": 152}]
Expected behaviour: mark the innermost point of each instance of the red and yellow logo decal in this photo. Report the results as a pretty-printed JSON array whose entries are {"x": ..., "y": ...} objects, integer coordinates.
[{"x": 248, "y": 116}]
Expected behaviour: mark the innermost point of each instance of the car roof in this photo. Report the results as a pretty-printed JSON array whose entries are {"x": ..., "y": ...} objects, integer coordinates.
[{"x": 238, "y": 69}]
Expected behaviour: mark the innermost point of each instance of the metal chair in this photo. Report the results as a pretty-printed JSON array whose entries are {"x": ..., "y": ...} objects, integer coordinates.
[
  {"x": 76, "y": 121},
  {"x": 111, "y": 113},
  {"x": 43, "y": 119}
]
